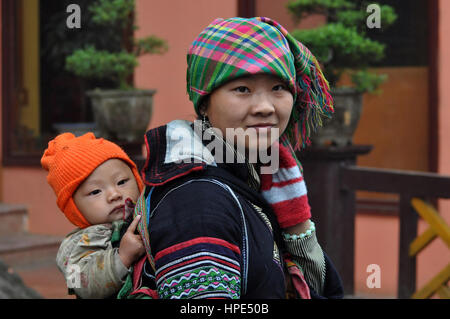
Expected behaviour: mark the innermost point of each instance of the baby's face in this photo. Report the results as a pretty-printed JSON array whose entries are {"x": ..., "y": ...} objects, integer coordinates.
[{"x": 101, "y": 197}]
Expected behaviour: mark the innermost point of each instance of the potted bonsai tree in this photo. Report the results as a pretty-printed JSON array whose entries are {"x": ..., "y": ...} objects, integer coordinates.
[
  {"x": 341, "y": 45},
  {"x": 121, "y": 111}
]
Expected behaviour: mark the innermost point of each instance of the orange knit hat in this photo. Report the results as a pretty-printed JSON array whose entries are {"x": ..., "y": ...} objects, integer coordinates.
[{"x": 69, "y": 160}]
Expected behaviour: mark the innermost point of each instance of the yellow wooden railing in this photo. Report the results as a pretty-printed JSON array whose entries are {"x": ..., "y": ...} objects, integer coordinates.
[
  {"x": 409, "y": 185},
  {"x": 437, "y": 228}
]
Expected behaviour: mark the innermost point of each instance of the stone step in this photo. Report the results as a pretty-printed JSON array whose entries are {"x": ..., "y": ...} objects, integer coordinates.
[
  {"x": 22, "y": 250},
  {"x": 13, "y": 219},
  {"x": 12, "y": 285}
]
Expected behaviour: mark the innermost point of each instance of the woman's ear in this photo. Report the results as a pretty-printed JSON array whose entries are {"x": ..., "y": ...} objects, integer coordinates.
[{"x": 203, "y": 105}]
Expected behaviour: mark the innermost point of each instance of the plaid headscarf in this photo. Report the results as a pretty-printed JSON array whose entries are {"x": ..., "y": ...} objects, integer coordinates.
[{"x": 231, "y": 48}]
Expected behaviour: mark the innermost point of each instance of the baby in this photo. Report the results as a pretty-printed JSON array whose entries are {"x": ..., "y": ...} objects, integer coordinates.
[{"x": 96, "y": 185}]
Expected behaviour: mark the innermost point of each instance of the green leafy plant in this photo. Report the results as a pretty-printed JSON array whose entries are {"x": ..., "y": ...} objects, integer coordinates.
[
  {"x": 342, "y": 45},
  {"x": 116, "y": 62}
]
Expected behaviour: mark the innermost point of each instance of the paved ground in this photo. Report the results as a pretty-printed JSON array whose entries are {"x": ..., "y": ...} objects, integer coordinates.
[{"x": 46, "y": 279}]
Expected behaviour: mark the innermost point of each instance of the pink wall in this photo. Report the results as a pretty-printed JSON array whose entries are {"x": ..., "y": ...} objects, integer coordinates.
[
  {"x": 28, "y": 186},
  {"x": 179, "y": 22},
  {"x": 376, "y": 242},
  {"x": 1, "y": 128},
  {"x": 444, "y": 84},
  {"x": 277, "y": 11},
  {"x": 376, "y": 239},
  {"x": 443, "y": 125},
  {"x": 444, "y": 107}
]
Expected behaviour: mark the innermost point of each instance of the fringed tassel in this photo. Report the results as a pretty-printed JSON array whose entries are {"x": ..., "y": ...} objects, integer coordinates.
[
  {"x": 314, "y": 100},
  {"x": 313, "y": 105}
]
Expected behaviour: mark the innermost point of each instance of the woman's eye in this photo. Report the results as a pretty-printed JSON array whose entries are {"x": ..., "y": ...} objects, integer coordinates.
[
  {"x": 95, "y": 192},
  {"x": 279, "y": 87},
  {"x": 123, "y": 181},
  {"x": 242, "y": 89}
]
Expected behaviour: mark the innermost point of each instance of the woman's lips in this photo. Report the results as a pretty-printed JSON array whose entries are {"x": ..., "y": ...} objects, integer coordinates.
[{"x": 262, "y": 127}]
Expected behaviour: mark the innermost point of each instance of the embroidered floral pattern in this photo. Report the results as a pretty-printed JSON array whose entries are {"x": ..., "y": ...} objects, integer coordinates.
[{"x": 199, "y": 268}]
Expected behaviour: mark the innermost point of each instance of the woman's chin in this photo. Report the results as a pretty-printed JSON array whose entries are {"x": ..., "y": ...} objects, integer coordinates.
[{"x": 255, "y": 151}]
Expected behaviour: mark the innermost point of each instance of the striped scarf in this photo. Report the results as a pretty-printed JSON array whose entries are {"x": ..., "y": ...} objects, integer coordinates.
[
  {"x": 285, "y": 191},
  {"x": 235, "y": 47}
]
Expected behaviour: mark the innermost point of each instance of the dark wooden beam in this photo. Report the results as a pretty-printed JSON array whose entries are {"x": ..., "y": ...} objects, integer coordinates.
[
  {"x": 246, "y": 8},
  {"x": 419, "y": 184},
  {"x": 377, "y": 207},
  {"x": 407, "y": 264},
  {"x": 333, "y": 207},
  {"x": 433, "y": 85}
]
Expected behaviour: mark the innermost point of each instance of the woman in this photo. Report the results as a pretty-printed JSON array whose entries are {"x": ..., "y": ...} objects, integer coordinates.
[{"x": 214, "y": 224}]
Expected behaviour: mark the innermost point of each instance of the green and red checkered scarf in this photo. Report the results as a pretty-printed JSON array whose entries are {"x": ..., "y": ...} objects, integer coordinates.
[{"x": 235, "y": 47}]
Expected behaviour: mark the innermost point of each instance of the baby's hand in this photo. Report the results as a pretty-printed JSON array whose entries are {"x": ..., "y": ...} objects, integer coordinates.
[{"x": 131, "y": 246}]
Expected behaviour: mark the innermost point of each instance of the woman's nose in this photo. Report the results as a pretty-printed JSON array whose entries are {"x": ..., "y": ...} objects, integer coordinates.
[{"x": 262, "y": 105}]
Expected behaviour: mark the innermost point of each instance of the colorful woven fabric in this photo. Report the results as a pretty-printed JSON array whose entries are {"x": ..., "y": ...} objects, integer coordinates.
[
  {"x": 203, "y": 267},
  {"x": 301, "y": 288},
  {"x": 133, "y": 287},
  {"x": 235, "y": 47},
  {"x": 143, "y": 209}
]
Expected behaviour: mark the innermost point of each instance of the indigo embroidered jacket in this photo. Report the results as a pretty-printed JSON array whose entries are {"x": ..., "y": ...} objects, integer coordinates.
[{"x": 212, "y": 236}]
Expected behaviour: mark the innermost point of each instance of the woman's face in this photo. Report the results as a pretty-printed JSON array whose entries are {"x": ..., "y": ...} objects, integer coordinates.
[{"x": 252, "y": 108}]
